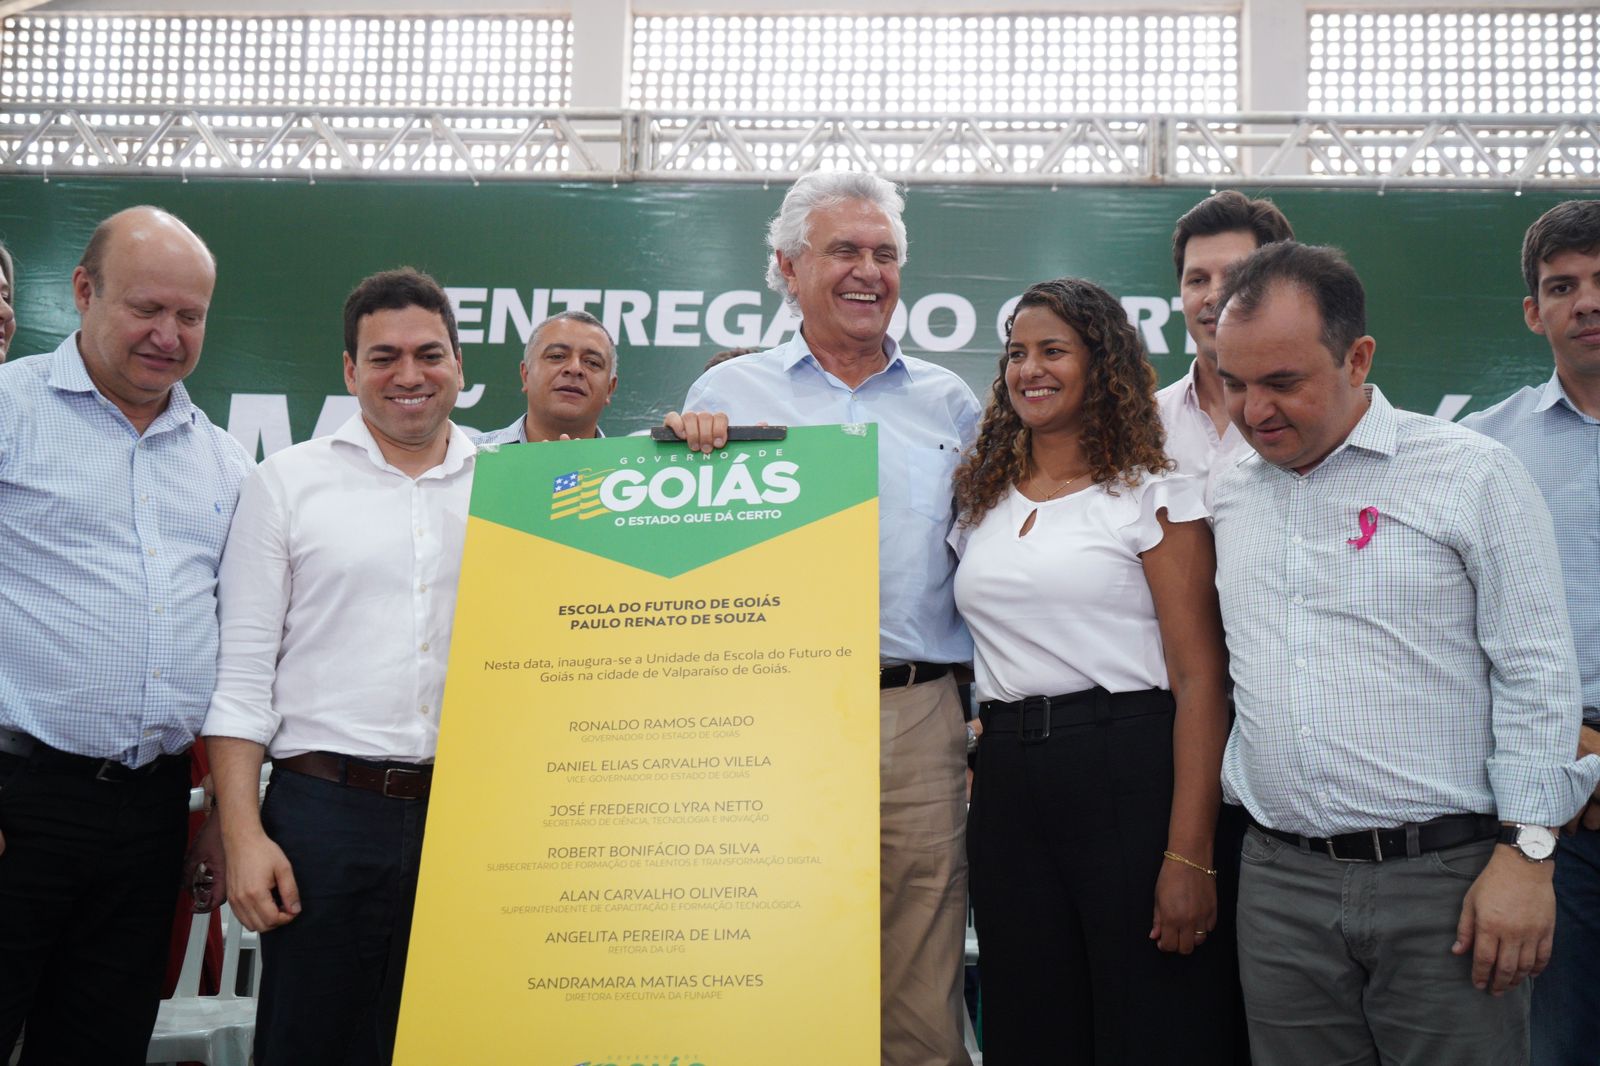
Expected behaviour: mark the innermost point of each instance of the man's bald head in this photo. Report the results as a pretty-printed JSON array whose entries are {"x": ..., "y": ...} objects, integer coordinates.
[
  {"x": 140, "y": 224},
  {"x": 142, "y": 291}
]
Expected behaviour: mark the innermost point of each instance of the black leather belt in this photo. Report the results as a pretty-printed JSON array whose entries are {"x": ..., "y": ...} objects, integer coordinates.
[
  {"x": 905, "y": 674},
  {"x": 1402, "y": 842},
  {"x": 392, "y": 779},
  {"x": 54, "y": 760},
  {"x": 1036, "y": 716}
]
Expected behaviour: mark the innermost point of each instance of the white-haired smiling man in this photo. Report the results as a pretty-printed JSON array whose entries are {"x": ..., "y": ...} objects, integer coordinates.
[{"x": 837, "y": 246}]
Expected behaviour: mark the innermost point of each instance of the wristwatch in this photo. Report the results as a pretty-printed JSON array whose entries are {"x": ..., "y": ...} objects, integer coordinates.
[{"x": 1535, "y": 842}]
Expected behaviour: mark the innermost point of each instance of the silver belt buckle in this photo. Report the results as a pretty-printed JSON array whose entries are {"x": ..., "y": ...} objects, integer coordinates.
[
  {"x": 396, "y": 770},
  {"x": 1377, "y": 850}
]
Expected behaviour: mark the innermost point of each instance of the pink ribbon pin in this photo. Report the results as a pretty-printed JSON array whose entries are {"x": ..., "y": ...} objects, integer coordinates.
[{"x": 1369, "y": 526}]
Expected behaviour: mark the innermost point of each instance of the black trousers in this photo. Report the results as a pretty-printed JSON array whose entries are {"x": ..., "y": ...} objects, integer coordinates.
[
  {"x": 87, "y": 882},
  {"x": 1065, "y": 839},
  {"x": 331, "y": 978}
]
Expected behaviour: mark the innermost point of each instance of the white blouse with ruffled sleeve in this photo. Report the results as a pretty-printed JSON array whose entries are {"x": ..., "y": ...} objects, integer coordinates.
[{"x": 1066, "y": 607}]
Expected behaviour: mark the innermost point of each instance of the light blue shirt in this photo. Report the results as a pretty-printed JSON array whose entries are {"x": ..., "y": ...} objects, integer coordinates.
[
  {"x": 515, "y": 433},
  {"x": 109, "y": 547},
  {"x": 1560, "y": 446},
  {"x": 1430, "y": 672},
  {"x": 926, "y": 418}
]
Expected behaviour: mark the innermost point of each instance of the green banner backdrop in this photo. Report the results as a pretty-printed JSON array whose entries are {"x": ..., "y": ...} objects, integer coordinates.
[{"x": 676, "y": 271}]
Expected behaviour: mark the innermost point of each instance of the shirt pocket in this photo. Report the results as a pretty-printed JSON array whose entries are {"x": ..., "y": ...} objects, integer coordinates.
[{"x": 928, "y": 481}]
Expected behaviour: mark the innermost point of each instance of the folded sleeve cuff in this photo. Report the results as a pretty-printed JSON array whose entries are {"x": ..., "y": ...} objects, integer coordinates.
[
  {"x": 227, "y": 718},
  {"x": 1542, "y": 795}
]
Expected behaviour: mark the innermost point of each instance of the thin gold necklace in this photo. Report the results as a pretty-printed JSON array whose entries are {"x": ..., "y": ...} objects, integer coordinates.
[{"x": 1059, "y": 489}]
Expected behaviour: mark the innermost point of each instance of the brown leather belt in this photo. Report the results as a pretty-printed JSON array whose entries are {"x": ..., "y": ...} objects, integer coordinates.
[{"x": 394, "y": 780}]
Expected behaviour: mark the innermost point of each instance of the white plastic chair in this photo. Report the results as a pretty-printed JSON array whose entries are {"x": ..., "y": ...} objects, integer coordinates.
[{"x": 216, "y": 1030}]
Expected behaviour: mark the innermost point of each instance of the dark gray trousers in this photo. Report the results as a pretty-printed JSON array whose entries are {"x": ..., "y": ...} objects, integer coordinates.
[{"x": 1349, "y": 964}]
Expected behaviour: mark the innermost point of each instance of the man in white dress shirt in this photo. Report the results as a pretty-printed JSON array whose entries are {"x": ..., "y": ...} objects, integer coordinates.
[
  {"x": 337, "y": 593},
  {"x": 1216, "y": 233}
]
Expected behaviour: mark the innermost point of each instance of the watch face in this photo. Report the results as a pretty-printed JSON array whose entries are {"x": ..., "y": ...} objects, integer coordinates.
[{"x": 1536, "y": 842}]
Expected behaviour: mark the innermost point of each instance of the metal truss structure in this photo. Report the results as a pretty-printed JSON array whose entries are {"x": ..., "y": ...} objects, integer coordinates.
[{"x": 313, "y": 144}]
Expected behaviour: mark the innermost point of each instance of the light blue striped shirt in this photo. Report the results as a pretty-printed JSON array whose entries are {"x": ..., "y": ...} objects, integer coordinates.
[
  {"x": 515, "y": 433},
  {"x": 1428, "y": 673},
  {"x": 109, "y": 546},
  {"x": 1560, "y": 446},
  {"x": 926, "y": 418}
]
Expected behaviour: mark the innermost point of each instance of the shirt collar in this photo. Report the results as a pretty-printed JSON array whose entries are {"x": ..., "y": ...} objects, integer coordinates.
[
  {"x": 69, "y": 374},
  {"x": 519, "y": 430},
  {"x": 458, "y": 452},
  {"x": 799, "y": 351},
  {"x": 1378, "y": 431},
  {"x": 1190, "y": 399},
  {"x": 1551, "y": 393}
]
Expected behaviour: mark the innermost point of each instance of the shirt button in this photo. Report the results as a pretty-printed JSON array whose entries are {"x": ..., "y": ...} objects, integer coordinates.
[
  {"x": 160, "y": 610},
  {"x": 149, "y": 551},
  {"x": 144, "y": 498},
  {"x": 1298, "y": 600},
  {"x": 1305, "y": 731},
  {"x": 1298, "y": 539},
  {"x": 423, "y": 709},
  {"x": 1300, "y": 664},
  {"x": 419, "y": 532},
  {"x": 424, "y": 645},
  {"x": 155, "y": 673},
  {"x": 422, "y": 587}
]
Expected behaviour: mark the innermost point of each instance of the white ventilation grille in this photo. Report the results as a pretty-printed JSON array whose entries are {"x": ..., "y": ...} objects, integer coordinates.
[{"x": 952, "y": 64}]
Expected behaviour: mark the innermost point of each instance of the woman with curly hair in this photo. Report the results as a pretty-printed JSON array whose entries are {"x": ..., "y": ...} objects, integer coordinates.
[{"x": 1086, "y": 579}]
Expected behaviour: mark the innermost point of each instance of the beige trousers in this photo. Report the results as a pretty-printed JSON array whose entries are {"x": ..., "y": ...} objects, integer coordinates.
[{"x": 923, "y": 873}]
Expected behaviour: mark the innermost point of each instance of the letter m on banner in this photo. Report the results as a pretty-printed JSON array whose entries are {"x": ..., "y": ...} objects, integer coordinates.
[{"x": 577, "y": 493}]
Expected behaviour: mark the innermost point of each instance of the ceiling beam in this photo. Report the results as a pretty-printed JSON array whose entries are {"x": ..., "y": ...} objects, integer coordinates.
[{"x": 17, "y": 7}]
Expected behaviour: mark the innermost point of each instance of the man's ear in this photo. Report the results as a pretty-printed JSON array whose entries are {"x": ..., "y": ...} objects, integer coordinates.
[
  {"x": 82, "y": 289},
  {"x": 786, "y": 268},
  {"x": 1530, "y": 315},
  {"x": 1358, "y": 360}
]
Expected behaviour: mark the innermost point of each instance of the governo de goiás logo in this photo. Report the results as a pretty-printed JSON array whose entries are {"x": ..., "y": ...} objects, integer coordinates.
[
  {"x": 691, "y": 488},
  {"x": 657, "y": 507}
]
